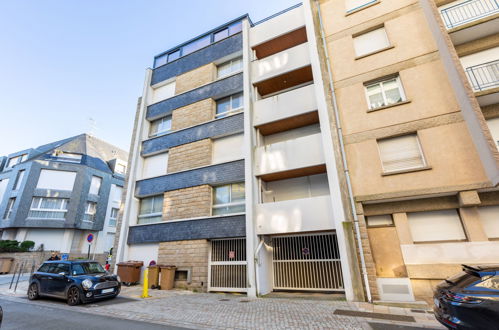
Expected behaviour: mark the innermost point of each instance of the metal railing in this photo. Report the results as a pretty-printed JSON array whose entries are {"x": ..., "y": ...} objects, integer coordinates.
[
  {"x": 468, "y": 11},
  {"x": 484, "y": 76}
]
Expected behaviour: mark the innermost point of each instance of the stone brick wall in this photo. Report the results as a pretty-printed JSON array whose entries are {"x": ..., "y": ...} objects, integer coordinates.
[
  {"x": 193, "y": 114},
  {"x": 187, "y": 203},
  {"x": 187, "y": 255},
  {"x": 195, "y": 78},
  {"x": 190, "y": 155}
]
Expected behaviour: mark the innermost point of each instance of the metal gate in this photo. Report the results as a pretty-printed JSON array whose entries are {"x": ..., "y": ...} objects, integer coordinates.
[
  {"x": 227, "y": 265},
  {"x": 307, "y": 262}
]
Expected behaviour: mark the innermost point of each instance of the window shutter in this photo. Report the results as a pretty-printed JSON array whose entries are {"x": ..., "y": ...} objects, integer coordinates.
[
  {"x": 228, "y": 148},
  {"x": 156, "y": 165},
  {"x": 435, "y": 226},
  {"x": 370, "y": 42},
  {"x": 489, "y": 217},
  {"x": 400, "y": 153}
]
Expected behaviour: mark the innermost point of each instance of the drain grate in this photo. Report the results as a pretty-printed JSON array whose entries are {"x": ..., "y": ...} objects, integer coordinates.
[
  {"x": 223, "y": 299},
  {"x": 381, "y": 316},
  {"x": 244, "y": 301}
]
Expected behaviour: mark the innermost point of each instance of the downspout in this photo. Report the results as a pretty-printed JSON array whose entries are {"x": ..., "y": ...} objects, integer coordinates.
[{"x": 343, "y": 157}]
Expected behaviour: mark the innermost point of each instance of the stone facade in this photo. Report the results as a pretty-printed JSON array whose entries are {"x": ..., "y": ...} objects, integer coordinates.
[
  {"x": 193, "y": 114},
  {"x": 187, "y": 255},
  {"x": 195, "y": 78},
  {"x": 187, "y": 203},
  {"x": 191, "y": 155}
]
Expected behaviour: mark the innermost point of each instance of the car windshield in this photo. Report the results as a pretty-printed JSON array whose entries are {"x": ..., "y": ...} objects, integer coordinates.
[
  {"x": 87, "y": 268},
  {"x": 463, "y": 279}
]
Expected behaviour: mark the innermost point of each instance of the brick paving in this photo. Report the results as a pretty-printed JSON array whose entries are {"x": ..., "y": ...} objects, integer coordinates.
[{"x": 225, "y": 311}]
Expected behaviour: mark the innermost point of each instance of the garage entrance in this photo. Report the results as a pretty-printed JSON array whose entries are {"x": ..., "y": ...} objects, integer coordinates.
[
  {"x": 227, "y": 265},
  {"x": 307, "y": 262}
]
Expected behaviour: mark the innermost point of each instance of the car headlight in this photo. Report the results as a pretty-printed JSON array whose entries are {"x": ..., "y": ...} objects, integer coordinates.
[{"x": 87, "y": 284}]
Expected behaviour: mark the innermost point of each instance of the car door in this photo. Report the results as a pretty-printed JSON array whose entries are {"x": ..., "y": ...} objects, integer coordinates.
[
  {"x": 59, "y": 279},
  {"x": 42, "y": 277}
]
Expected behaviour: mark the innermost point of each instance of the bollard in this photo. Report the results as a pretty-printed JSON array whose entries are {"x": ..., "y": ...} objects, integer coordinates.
[{"x": 145, "y": 288}]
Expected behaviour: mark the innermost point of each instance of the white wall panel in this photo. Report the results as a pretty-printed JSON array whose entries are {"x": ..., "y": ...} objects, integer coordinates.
[
  {"x": 489, "y": 216},
  {"x": 52, "y": 239}
]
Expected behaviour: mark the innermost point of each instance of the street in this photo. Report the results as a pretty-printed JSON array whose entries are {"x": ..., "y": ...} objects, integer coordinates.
[{"x": 22, "y": 315}]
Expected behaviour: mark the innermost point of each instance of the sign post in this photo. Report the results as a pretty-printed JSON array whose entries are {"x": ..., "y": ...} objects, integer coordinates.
[{"x": 90, "y": 238}]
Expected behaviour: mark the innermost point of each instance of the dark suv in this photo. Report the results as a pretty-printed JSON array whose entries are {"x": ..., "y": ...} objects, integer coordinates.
[{"x": 75, "y": 281}]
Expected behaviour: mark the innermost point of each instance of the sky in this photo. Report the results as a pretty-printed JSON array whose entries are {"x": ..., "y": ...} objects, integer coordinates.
[{"x": 73, "y": 67}]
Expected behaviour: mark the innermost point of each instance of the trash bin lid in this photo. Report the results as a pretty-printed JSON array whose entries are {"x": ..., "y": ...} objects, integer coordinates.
[{"x": 167, "y": 266}]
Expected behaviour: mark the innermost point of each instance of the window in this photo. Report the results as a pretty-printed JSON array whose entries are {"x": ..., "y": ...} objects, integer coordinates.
[
  {"x": 295, "y": 188},
  {"x": 401, "y": 153},
  {"x": 90, "y": 210},
  {"x": 436, "y": 226},
  {"x": 120, "y": 169},
  {"x": 3, "y": 186},
  {"x": 379, "y": 220},
  {"x": 161, "y": 125},
  {"x": 352, "y": 5},
  {"x": 494, "y": 129},
  {"x": 156, "y": 165},
  {"x": 229, "y": 67},
  {"x": 222, "y": 34},
  {"x": 229, "y": 105},
  {"x": 67, "y": 157},
  {"x": 16, "y": 160},
  {"x": 10, "y": 207},
  {"x": 56, "y": 180},
  {"x": 489, "y": 217},
  {"x": 48, "y": 208},
  {"x": 173, "y": 55},
  {"x": 228, "y": 199},
  {"x": 490, "y": 283},
  {"x": 19, "y": 179},
  {"x": 163, "y": 92},
  {"x": 228, "y": 148},
  {"x": 151, "y": 209},
  {"x": 95, "y": 185},
  {"x": 370, "y": 42},
  {"x": 116, "y": 192},
  {"x": 196, "y": 45},
  {"x": 385, "y": 92},
  {"x": 113, "y": 216}
]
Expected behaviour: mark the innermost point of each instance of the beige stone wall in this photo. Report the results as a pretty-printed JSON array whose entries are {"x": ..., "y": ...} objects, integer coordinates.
[
  {"x": 187, "y": 203},
  {"x": 190, "y": 155},
  {"x": 192, "y": 255},
  {"x": 193, "y": 79},
  {"x": 193, "y": 114}
]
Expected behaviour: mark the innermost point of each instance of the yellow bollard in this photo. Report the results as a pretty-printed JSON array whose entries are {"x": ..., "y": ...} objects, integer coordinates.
[{"x": 145, "y": 289}]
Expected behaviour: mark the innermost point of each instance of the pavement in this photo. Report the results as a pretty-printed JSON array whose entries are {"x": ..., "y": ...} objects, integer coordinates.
[{"x": 186, "y": 309}]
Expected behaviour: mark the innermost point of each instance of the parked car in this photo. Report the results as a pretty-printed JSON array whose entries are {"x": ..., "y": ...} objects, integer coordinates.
[
  {"x": 75, "y": 281},
  {"x": 470, "y": 299}
]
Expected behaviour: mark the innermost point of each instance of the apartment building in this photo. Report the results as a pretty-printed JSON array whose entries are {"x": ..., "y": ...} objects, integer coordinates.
[
  {"x": 58, "y": 193},
  {"x": 232, "y": 177},
  {"x": 413, "y": 88}
]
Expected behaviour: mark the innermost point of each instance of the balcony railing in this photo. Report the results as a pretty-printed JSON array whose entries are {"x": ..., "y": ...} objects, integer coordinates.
[
  {"x": 469, "y": 11},
  {"x": 484, "y": 76}
]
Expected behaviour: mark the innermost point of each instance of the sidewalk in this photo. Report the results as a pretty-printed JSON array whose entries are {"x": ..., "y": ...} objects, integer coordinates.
[{"x": 227, "y": 311}]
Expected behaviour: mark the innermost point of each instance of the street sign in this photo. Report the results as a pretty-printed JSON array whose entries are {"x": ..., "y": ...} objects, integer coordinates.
[
  {"x": 65, "y": 256},
  {"x": 232, "y": 254},
  {"x": 90, "y": 238},
  {"x": 305, "y": 251}
]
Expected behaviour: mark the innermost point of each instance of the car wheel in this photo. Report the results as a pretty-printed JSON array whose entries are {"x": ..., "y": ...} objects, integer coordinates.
[
  {"x": 73, "y": 296},
  {"x": 33, "y": 292}
]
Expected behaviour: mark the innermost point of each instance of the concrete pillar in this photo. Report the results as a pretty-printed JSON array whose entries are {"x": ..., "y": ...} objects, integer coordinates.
[
  {"x": 403, "y": 230},
  {"x": 472, "y": 224}
]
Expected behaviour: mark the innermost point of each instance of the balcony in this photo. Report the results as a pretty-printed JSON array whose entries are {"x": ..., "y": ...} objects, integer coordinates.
[
  {"x": 484, "y": 79},
  {"x": 471, "y": 20},
  {"x": 303, "y": 152},
  {"x": 298, "y": 215},
  {"x": 290, "y": 104}
]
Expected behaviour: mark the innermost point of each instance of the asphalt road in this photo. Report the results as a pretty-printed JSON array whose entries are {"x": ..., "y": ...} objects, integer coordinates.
[{"x": 21, "y": 315}]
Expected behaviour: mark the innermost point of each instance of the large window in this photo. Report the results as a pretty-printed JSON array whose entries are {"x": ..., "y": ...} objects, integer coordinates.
[
  {"x": 90, "y": 210},
  {"x": 19, "y": 180},
  {"x": 10, "y": 207},
  {"x": 401, "y": 153},
  {"x": 95, "y": 185},
  {"x": 229, "y": 67},
  {"x": 16, "y": 160},
  {"x": 371, "y": 42},
  {"x": 384, "y": 92},
  {"x": 229, "y": 105},
  {"x": 48, "y": 208},
  {"x": 151, "y": 209},
  {"x": 161, "y": 126},
  {"x": 113, "y": 217},
  {"x": 56, "y": 180},
  {"x": 228, "y": 199},
  {"x": 437, "y": 226}
]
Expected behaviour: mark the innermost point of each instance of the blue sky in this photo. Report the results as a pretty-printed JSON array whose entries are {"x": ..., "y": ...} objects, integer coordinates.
[{"x": 63, "y": 62}]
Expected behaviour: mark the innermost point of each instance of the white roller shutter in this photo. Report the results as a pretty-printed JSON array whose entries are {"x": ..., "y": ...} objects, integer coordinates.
[
  {"x": 228, "y": 148},
  {"x": 489, "y": 216},
  {"x": 95, "y": 185},
  {"x": 57, "y": 180},
  {"x": 155, "y": 166},
  {"x": 442, "y": 225},
  {"x": 401, "y": 153},
  {"x": 370, "y": 42}
]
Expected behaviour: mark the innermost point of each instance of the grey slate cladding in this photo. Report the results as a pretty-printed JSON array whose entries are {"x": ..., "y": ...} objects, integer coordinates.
[
  {"x": 221, "y": 127},
  {"x": 209, "y": 228},
  {"x": 212, "y": 175},
  {"x": 199, "y": 58},
  {"x": 215, "y": 90}
]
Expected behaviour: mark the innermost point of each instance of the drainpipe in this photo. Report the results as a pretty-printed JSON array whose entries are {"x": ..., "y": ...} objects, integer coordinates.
[{"x": 343, "y": 157}]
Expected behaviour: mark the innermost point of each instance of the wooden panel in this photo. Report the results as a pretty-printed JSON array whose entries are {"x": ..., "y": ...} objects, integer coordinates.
[
  {"x": 385, "y": 247},
  {"x": 285, "y": 81},
  {"x": 289, "y": 123},
  {"x": 296, "y": 173},
  {"x": 281, "y": 43}
]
